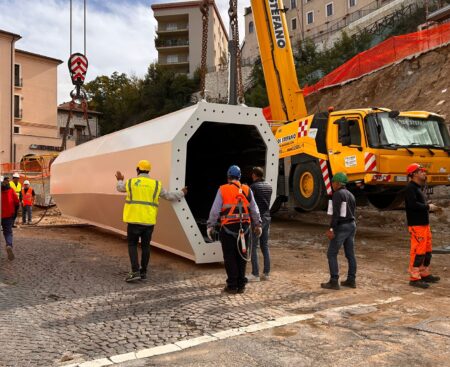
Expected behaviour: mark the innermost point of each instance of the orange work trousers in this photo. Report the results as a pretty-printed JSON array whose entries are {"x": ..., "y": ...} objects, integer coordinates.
[{"x": 420, "y": 245}]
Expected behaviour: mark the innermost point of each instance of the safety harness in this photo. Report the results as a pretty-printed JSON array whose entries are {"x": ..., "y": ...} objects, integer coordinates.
[{"x": 241, "y": 203}]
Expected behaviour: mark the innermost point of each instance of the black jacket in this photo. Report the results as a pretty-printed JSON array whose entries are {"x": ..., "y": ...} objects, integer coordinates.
[
  {"x": 262, "y": 191},
  {"x": 340, "y": 196},
  {"x": 416, "y": 205}
]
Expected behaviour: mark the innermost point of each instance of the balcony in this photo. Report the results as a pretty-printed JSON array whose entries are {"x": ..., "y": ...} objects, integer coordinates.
[
  {"x": 172, "y": 29},
  {"x": 171, "y": 44},
  {"x": 174, "y": 60}
]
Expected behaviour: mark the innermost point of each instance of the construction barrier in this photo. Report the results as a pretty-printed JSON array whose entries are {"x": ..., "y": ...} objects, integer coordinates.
[
  {"x": 36, "y": 169},
  {"x": 388, "y": 52}
]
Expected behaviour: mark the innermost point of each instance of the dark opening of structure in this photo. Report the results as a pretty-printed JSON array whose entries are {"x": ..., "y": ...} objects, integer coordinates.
[{"x": 210, "y": 152}]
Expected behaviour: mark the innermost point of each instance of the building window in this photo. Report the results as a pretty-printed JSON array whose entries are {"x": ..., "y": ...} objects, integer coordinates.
[
  {"x": 61, "y": 132},
  {"x": 310, "y": 17},
  {"x": 251, "y": 27},
  {"x": 172, "y": 59},
  {"x": 329, "y": 9},
  {"x": 16, "y": 130},
  {"x": 17, "y": 76},
  {"x": 293, "y": 4},
  {"x": 351, "y": 3},
  {"x": 17, "y": 107},
  {"x": 294, "y": 24}
]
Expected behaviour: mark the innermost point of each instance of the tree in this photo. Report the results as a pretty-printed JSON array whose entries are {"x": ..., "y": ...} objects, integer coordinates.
[
  {"x": 125, "y": 101},
  {"x": 256, "y": 96},
  {"x": 116, "y": 97}
]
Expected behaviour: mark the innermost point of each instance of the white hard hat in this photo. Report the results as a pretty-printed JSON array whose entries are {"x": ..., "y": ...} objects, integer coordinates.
[
  {"x": 16, "y": 175},
  {"x": 2, "y": 178},
  {"x": 26, "y": 182}
]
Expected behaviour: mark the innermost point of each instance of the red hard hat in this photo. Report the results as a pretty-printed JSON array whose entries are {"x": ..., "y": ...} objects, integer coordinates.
[{"x": 413, "y": 168}]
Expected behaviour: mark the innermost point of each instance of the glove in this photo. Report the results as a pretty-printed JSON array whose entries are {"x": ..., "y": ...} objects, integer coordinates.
[
  {"x": 258, "y": 231},
  {"x": 211, "y": 233}
]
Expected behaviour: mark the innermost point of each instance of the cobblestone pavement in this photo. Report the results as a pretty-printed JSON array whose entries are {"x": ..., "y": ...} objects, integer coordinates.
[
  {"x": 64, "y": 297},
  {"x": 60, "y": 297}
]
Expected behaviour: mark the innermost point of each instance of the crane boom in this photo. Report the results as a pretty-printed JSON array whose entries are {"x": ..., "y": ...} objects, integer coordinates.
[{"x": 285, "y": 96}]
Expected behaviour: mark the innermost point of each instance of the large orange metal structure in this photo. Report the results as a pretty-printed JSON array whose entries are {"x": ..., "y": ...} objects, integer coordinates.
[{"x": 192, "y": 147}]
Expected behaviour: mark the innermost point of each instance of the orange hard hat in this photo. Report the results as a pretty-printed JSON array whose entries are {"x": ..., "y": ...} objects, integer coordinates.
[{"x": 414, "y": 167}]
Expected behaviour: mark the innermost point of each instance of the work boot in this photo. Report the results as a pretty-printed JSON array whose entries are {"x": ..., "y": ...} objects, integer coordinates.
[
  {"x": 132, "y": 276},
  {"x": 349, "y": 283},
  {"x": 230, "y": 290},
  {"x": 419, "y": 284},
  {"x": 431, "y": 279},
  {"x": 332, "y": 284},
  {"x": 10, "y": 252}
]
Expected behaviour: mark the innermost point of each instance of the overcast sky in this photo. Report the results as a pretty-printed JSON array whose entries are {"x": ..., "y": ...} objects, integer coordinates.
[{"x": 120, "y": 33}]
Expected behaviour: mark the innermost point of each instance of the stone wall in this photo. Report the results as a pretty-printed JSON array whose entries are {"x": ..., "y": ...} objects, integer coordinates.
[{"x": 216, "y": 84}]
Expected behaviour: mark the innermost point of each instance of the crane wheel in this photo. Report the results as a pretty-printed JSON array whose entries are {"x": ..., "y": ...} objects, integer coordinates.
[{"x": 308, "y": 187}]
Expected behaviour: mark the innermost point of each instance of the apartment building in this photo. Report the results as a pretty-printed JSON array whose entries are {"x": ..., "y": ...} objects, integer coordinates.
[
  {"x": 7, "y": 47},
  {"x": 78, "y": 127},
  {"x": 319, "y": 20},
  {"x": 28, "y": 102},
  {"x": 179, "y": 36}
]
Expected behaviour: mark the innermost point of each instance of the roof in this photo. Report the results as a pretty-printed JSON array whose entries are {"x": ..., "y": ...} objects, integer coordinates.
[
  {"x": 189, "y": 4},
  {"x": 39, "y": 56},
  {"x": 16, "y": 36},
  {"x": 66, "y": 107}
]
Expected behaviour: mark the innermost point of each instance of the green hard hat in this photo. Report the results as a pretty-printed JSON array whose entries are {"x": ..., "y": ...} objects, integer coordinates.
[{"x": 340, "y": 177}]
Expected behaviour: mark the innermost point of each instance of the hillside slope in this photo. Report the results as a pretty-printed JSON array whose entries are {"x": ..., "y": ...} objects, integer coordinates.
[{"x": 421, "y": 83}]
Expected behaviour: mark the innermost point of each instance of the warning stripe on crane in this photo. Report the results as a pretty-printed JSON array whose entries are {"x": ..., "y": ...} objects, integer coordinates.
[
  {"x": 78, "y": 76},
  {"x": 302, "y": 128},
  {"x": 325, "y": 175},
  {"x": 370, "y": 162}
]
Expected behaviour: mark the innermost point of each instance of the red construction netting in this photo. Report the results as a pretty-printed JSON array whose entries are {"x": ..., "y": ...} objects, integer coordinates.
[{"x": 385, "y": 53}]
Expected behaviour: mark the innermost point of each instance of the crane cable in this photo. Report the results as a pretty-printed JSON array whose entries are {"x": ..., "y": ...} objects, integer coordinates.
[
  {"x": 233, "y": 14},
  {"x": 78, "y": 65},
  {"x": 204, "y": 8},
  {"x": 84, "y": 28}
]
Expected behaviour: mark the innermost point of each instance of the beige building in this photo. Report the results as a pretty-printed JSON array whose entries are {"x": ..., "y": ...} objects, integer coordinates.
[
  {"x": 320, "y": 20},
  {"x": 78, "y": 127},
  {"x": 179, "y": 36},
  {"x": 28, "y": 102},
  {"x": 7, "y": 46}
]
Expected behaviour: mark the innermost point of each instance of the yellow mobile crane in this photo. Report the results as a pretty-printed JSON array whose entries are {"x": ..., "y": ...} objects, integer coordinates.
[{"x": 373, "y": 146}]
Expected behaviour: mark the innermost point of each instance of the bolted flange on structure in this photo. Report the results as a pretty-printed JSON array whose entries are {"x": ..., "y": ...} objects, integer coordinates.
[{"x": 192, "y": 147}]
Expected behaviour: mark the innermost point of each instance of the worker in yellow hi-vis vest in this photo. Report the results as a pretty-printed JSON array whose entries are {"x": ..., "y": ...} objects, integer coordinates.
[
  {"x": 17, "y": 187},
  {"x": 140, "y": 212}
]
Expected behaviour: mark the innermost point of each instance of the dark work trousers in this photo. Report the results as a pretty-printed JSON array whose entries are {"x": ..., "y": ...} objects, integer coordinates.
[
  {"x": 144, "y": 233},
  {"x": 263, "y": 243},
  {"x": 344, "y": 235},
  {"x": 7, "y": 225},
  {"x": 16, "y": 212},
  {"x": 234, "y": 263}
]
